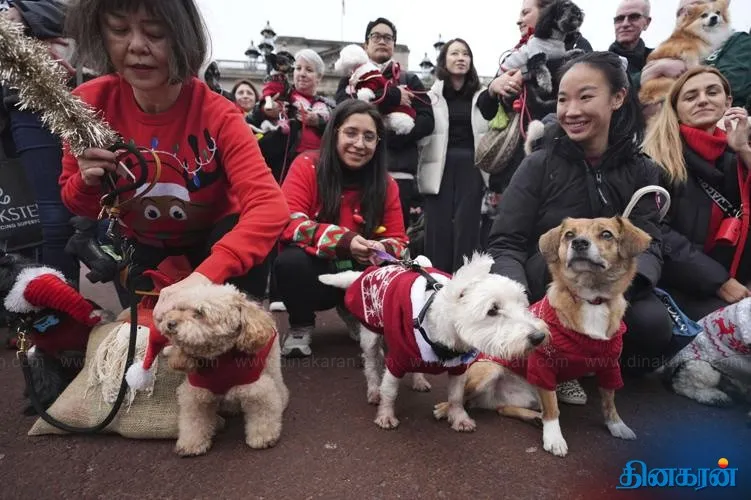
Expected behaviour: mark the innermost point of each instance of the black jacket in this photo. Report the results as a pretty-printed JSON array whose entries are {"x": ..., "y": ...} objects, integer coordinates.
[
  {"x": 556, "y": 182},
  {"x": 687, "y": 268},
  {"x": 402, "y": 149},
  {"x": 43, "y": 18}
]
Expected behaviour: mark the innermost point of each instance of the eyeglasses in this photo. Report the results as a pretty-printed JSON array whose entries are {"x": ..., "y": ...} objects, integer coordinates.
[
  {"x": 352, "y": 135},
  {"x": 632, "y": 18},
  {"x": 377, "y": 37}
]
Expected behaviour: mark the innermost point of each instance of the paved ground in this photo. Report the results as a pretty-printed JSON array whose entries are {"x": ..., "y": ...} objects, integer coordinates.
[{"x": 330, "y": 447}]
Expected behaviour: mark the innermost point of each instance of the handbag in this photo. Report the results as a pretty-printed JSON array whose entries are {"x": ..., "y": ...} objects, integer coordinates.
[
  {"x": 20, "y": 226},
  {"x": 497, "y": 147},
  {"x": 683, "y": 326}
]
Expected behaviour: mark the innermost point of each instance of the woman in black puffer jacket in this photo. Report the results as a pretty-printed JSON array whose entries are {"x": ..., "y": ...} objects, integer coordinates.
[{"x": 588, "y": 166}]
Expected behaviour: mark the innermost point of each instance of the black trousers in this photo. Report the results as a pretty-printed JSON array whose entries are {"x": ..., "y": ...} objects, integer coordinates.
[
  {"x": 408, "y": 197},
  {"x": 146, "y": 257},
  {"x": 296, "y": 274},
  {"x": 452, "y": 217}
]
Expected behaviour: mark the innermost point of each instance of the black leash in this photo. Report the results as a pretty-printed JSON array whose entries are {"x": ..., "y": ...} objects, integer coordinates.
[{"x": 108, "y": 200}]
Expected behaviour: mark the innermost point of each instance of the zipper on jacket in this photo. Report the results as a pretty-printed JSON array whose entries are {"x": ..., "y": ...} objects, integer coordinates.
[{"x": 598, "y": 183}]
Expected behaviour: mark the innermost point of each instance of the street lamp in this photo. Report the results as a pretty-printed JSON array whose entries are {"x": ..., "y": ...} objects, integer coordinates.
[
  {"x": 268, "y": 36},
  {"x": 439, "y": 44},
  {"x": 427, "y": 66},
  {"x": 252, "y": 53}
]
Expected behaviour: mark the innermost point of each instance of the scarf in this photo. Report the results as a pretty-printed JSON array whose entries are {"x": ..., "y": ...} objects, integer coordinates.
[
  {"x": 525, "y": 37},
  {"x": 636, "y": 57},
  {"x": 708, "y": 146}
]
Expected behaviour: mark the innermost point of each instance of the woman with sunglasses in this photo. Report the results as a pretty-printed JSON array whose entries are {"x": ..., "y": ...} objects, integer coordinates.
[{"x": 344, "y": 208}]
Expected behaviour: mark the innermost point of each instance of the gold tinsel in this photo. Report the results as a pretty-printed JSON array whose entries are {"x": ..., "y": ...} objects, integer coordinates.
[{"x": 25, "y": 64}]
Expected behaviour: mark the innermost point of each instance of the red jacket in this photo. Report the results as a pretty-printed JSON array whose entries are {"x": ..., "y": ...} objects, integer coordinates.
[
  {"x": 569, "y": 355},
  {"x": 332, "y": 241},
  {"x": 231, "y": 369},
  {"x": 211, "y": 166},
  {"x": 386, "y": 300}
]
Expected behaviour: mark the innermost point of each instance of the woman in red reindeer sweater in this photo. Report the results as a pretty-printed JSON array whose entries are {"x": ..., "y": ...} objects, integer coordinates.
[
  {"x": 208, "y": 193},
  {"x": 343, "y": 207}
]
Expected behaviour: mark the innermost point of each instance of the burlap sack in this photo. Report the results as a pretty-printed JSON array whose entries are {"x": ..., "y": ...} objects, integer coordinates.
[{"x": 143, "y": 415}]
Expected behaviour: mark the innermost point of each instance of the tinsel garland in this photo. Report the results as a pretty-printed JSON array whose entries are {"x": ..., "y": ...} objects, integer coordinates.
[{"x": 26, "y": 65}]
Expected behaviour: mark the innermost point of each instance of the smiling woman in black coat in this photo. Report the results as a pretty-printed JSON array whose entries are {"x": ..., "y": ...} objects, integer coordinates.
[{"x": 588, "y": 166}]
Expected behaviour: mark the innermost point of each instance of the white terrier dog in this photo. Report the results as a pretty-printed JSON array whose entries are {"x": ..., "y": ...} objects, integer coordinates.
[{"x": 433, "y": 323}]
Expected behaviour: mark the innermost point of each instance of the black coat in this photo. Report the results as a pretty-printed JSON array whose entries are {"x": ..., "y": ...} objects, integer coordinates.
[
  {"x": 687, "y": 268},
  {"x": 402, "y": 149},
  {"x": 557, "y": 182}
]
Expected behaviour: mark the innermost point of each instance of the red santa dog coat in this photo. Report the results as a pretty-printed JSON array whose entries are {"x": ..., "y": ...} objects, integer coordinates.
[
  {"x": 386, "y": 300},
  {"x": 569, "y": 355},
  {"x": 369, "y": 78}
]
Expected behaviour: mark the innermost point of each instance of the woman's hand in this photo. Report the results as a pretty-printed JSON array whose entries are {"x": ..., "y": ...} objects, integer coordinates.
[
  {"x": 273, "y": 113},
  {"x": 671, "y": 68},
  {"x": 733, "y": 291},
  {"x": 736, "y": 127},
  {"x": 308, "y": 117},
  {"x": 360, "y": 249},
  {"x": 94, "y": 163},
  {"x": 192, "y": 280},
  {"x": 508, "y": 85}
]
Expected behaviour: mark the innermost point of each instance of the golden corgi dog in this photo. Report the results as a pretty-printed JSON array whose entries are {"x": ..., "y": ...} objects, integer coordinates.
[{"x": 700, "y": 31}]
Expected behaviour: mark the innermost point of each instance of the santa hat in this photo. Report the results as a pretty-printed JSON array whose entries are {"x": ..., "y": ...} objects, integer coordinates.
[
  {"x": 38, "y": 288},
  {"x": 140, "y": 374}
]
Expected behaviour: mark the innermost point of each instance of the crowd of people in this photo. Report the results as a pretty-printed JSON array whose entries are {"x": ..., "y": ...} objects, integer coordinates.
[{"x": 270, "y": 207}]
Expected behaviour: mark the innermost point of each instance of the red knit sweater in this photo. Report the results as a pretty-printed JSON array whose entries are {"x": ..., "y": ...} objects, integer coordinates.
[
  {"x": 231, "y": 369},
  {"x": 211, "y": 166},
  {"x": 382, "y": 301},
  {"x": 569, "y": 355},
  {"x": 332, "y": 240}
]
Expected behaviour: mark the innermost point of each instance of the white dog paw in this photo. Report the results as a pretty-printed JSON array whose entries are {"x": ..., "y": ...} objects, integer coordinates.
[
  {"x": 441, "y": 410},
  {"x": 387, "y": 421},
  {"x": 265, "y": 437},
  {"x": 420, "y": 383},
  {"x": 555, "y": 445},
  {"x": 374, "y": 396},
  {"x": 190, "y": 448},
  {"x": 464, "y": 424},
  {"x": 621, "y": 430}
]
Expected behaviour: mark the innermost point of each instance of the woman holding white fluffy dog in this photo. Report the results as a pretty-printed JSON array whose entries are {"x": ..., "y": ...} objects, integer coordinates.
[
  {"x": 588, "y": 166},
  {"x": 344, "y": 207}
]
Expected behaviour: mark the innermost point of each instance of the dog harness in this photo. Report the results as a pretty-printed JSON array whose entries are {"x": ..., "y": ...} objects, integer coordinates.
[
  {"x": 569, "y": 355},
  {"x": 724, "y": 342},
  {"x": 384, "y": 299},
  {"x": 230, "y": 369}
]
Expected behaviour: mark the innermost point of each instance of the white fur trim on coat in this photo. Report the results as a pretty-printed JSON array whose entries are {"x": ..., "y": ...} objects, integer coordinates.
[{"x": 15, "y": 301}]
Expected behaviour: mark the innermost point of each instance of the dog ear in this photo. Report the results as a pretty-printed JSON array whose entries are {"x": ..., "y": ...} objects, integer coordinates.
[
  {"x": 546, "y": 22},
  {"x": 257, "y": 327},
  {"x": 633, "y": 240},
  {"x": 549, "y": 243}
]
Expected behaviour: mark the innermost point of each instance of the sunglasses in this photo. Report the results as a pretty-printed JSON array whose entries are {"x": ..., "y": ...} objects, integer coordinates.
[{"x": 632, "y": 18}]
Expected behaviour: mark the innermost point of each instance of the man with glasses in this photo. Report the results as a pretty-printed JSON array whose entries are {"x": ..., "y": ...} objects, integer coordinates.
[
  {"x": 380, "y": 39},
  {"x": 630, "y": 21}
]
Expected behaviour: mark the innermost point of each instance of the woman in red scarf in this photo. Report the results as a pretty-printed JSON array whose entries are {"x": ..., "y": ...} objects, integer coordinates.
[{"x": 706, "y": 169}]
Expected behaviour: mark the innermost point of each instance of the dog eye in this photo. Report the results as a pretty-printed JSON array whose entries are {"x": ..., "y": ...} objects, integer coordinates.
[
  {"x": 606, "y": 235},
  {"x": 198, "y": 314},
  {"x": 569, "y": 235},
  {"x": 493, "y": 311}
]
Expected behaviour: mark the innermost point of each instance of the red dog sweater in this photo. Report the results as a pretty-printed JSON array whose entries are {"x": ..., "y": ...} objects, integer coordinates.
[
  {"x": 569, "y": 355},
  {"x": 386, "y": 300}
]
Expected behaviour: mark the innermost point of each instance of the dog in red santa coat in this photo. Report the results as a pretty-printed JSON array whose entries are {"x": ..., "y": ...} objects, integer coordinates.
[
  {"x": 431, "y": 322},
  {"x": 56, "y": 319},
  {"x": 367, "y": 83}
]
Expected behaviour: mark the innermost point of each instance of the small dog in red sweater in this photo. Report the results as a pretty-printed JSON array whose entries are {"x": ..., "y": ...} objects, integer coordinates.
[
  {"x": 592, "y": 262},
  {"x": 435, "y": 328},
  {"x": 229, "y": 347}
]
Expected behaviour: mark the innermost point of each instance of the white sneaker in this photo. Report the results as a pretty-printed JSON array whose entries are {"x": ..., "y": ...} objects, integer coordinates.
[
  {"x": 353, "y": 324},
  {"x": 297, "y": 343},
  {"x": 571, "y": 393},
  {"x": 277, "y": 306}
]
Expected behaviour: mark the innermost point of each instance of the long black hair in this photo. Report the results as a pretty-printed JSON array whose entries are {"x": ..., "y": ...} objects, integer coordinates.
[
  {"x": 628, "y": 120},
  {"x": 471, "y": 81},
  {"x": 329, "y": 171}
]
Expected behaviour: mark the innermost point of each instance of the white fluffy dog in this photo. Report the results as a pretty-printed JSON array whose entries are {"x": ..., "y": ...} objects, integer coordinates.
[
  {"x": 718, "y": 360},
  {"x": 229, "y": 347},
  {"x": 434, "y": 323},
  {"x": 367, "y": 83}
]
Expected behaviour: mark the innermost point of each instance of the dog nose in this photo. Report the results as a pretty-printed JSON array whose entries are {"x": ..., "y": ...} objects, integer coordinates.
[
  {"x": 536, "y": 338},
  {"x": 171, "y": 325},
  {"x": 713, "y": 20},
  {"x": 580, "y": 244}
]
